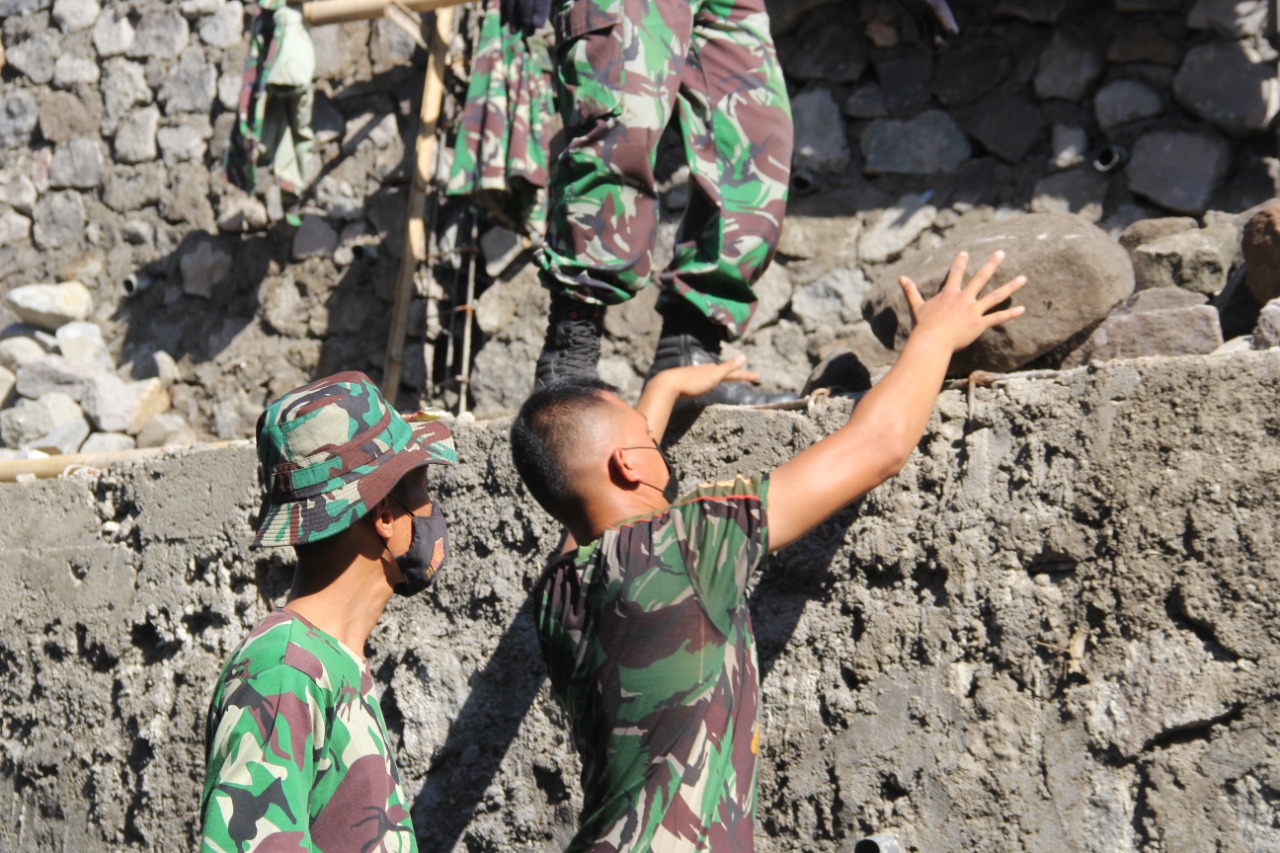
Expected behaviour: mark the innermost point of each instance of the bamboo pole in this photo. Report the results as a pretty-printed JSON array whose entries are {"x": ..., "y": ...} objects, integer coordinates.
[
  {"x": 318, "y": 13},
  {"x": 55, "y": 466},
  {"x": 415, "y": 241}
]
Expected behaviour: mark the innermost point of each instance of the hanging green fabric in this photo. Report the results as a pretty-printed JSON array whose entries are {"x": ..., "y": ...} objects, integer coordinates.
[
  {"x": 273, "y": 121},
  {"x": 500, "y": 156}
]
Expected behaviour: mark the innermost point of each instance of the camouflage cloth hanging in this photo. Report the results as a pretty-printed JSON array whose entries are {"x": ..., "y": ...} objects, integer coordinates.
[{"x": 500, "y": 154}]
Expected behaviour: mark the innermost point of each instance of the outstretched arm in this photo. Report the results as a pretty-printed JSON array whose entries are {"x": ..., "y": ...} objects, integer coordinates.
[
  {"x": 887, "y": 423},
  {"x": 665, "y": 388}
]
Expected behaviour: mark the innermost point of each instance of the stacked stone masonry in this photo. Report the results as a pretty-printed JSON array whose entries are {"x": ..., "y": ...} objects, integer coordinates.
[{"x": 114, "y": 117}]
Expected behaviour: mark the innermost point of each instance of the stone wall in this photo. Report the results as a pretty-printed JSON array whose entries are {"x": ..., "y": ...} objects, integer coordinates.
[
  {"x": 114, "y": 117},
  {"x": 1056, "y": 630}
]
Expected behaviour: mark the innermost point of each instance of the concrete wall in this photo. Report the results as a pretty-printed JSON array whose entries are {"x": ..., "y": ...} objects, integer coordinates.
[{"x": 1056, "y": 630}]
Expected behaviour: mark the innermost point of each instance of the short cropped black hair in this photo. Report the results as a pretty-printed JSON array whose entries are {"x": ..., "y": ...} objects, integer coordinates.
[{"x": 544, "y": 436}]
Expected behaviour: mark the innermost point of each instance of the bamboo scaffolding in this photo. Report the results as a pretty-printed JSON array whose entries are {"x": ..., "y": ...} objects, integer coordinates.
[{"x": 415, "y": 242}]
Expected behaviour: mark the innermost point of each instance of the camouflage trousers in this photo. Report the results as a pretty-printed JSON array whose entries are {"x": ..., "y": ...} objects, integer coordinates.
[{"x": 623, "y": 68}]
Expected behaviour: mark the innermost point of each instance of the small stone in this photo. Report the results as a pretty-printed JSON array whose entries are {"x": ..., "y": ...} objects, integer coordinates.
[
  {"x": 229, "y": 87},
  {"x": 500, "y": 247},
  {"x": 62, "y": 440},
  {"x": 71, "y": 70},
  {"x": 390, "y": 46},
  {"x": 14, "y": 228},
  {"x": 108, "y": 442},
  {"x": 1178, "y": 170},
  {"x": 1068, "y": 67},
  {"x": 1234, "y": 19},
  {"x": 166, "y": 430},
  {"x": 204, "y": 265},
  {"x": 1006, "y": 124},
  {"x": 896, "y": 227},
  {"x": 190, "y": 85},
  {"x": 8, "y": 380},
  {"x": 1126, "y": 101},
  {"x": 1177, "y": 331},
  {"x": 927, "y": 144},
  {"x": 905, "y": 81},
  {"x": 314, "y": 238},
  {"x": 1232, "y": 84},
  {"x": 64, "y": 116},
  {"x": 773, "y": 292},
  {"x": 181, "y": 143},
  {"x": 832, "y": 300},
  {"x": 1144, "y": 42},
  {"x": 135, "y": 141},
  {"x": 1069, "y": 145},
  {"x": 225, "y": 27},
  {"x": 1149, "y": 230},
  {"x": 18, "y": 350},
  {"x": 17, "y": 190},
  {"x": 114, "y": 405},
  {"x": 113, "y": 34},
  {"x": 242, "y": 214},
  {"x": 967, "y": 73},
  {"x": 1235, "y": 345},
  {"x": 59, "y": 220},
  {"x": 18, "y": 117},
  {"x": 75, "y": 15},
  {"x": 124, "y": 86},
  {"x": 77, "y": 163},
  {"x": 1266, "y": 334},
  {"x": 34, "y": 57},
  {"x": 1260, "y": 245},
  {"x": 1080, "y": 190},
  {"x": 199, "y": 8},
  {"x": 53, "y": 373},
  {"x": 82, "y": 342},
  {"x": 160, "y": 34},
  {"x": 866, "y": 102},
  {"x": 129, "y": 189},
  {"x": 1194, "y": 260},
  {"x": 820, "y": 141},
  {"x": 31, "y": 419}
]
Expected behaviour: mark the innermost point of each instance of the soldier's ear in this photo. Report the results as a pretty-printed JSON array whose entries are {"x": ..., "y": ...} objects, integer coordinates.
[
  {"x": 382, "y": 519},
  {"x": 621, "y": 469}
]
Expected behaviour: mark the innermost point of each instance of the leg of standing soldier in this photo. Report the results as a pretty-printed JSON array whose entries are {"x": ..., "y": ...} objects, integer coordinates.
[
  {"x": 619, "y": 66},
  {"x": 736, "y": 121}
]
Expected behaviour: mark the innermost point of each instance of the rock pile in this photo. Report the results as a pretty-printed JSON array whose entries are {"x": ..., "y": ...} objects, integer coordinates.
[{"x": 60, "y": 390}]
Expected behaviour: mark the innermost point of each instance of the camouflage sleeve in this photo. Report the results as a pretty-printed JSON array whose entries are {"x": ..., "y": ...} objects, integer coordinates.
[
  {"x": 726, "y": 532},
  {"x": 262, "y": 764}
]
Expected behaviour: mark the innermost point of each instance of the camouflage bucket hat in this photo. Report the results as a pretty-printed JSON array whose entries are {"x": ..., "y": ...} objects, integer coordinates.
[{"x": 330, "y": 450}]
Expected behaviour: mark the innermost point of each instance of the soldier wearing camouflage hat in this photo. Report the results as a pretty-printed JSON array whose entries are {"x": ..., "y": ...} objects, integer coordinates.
[
  {"x": 645, "y": 627},
  {"x": 297, "y": 749}
]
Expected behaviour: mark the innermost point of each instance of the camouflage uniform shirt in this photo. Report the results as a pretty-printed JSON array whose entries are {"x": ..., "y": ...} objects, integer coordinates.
[
  {"x": 297, "y": 749},
  {"x": 649, "y": 645}
]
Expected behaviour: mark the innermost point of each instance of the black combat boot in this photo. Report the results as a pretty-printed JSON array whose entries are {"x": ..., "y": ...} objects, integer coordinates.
[
  {"x": 572, "y": 347},
  {"x": 689, "y": 338}
]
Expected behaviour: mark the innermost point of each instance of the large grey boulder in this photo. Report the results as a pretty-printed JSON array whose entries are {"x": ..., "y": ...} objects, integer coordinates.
[
  {"x": 58, "y": 220},
  {"x": 1232, "y": 84},
  {"x": 18, "y": 350},
  {"x": 49, "y": 306},
  {"x": 1178, "y": 169},
  {"x": 1234, "y": 19},
  {"x": 1075, "y": 275},
  {"x": 54, "y": 373},
  {"x": 161, "y": 34},
  {"x": 820, "y": 141},
  {"x": 1147, "y": 230},
  {"x": 1069, "y": 66}
]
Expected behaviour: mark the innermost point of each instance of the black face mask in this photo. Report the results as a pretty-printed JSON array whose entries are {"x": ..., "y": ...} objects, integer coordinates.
[
  {"x": 428, "y": 548},
  {"x": 672, "y": 490}
]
